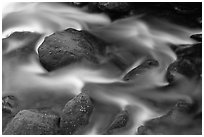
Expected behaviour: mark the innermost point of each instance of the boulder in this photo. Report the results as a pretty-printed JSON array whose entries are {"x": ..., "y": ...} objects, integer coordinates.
[
  {"x": 69, "y": 46},
  {"x": 76, "y": 114},
  {"x": 33, "y": 122}
]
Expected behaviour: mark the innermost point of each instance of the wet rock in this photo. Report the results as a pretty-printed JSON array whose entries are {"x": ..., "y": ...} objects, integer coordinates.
[
  {"x": 150, "y": 8},
  {"x": 197, "y": 37},
  {"x": 69, "y": 46},
  {"x": 6, "y": 118},
  {"x": 185, "y": 13},
  {"x": 115, "y": 10},
  {"x": 186, "y": 7},
  {"x": 181, "y": 120},
  {"x": 146, "y": 65},
  {"x": 114, "y": 6},
  {"x": 121, "y": 58},
  {"x": 32, "y": 122},
  {"x": 119, "y": 121},
  {"x": 118, "y": 61},
  {"x": 76, "y": 4},
  {"x": 179, "y": 13},
  {"x": 93, "y": 8},
  {"x": 9, "y": 104},
  {"x": 198, "y": 64},
  {"x": 20, "y": 45},
  {"x": 182, "y": 66},
  {"x": 79, "y": 4},
  {"x": 194, "y": 50},
  {"x": 9, "y": 109},
  {"x": 76, "y": 114},
  {"x": 190, "y": 58}
]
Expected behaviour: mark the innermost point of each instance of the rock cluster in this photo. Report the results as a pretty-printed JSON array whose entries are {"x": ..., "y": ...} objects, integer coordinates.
[
  {"x": 72, "y": 46},
  {"x": 74, "y": 116}
]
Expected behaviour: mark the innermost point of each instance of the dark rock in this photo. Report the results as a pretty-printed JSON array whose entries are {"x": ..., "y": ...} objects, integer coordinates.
[
  {"x": 186, "y": 7},
  {"x": 115, "y": 10},
  {"x": 79, "y": 4},
  {"x": 182, "y": 66},
  {"x": 189, "y": 58},
  {"x": 76, "y": 114},
  {"x": 178, "y": 13},
  {"x": 119, "y": 121},
  {"x": 9, "y": 104},
  {"x": 149, "y": 8},
  {"x": 114, "y": 6},
  {"x": 180, "y": 120},
  {"x": 92, "y": 7},
  {"x": 197, "y": 37},
  {"x": 69, "y": 46},
  {"x": 185, "y": 13},
  {"x": 194, "y": 50},
  {"x": 9, "y": 109},
  {"x": 146, "y": 65},
  {"x": 75, "y": 4},
  {"x": 31, "y": 122},
  {"x": 198, "y": 64}
]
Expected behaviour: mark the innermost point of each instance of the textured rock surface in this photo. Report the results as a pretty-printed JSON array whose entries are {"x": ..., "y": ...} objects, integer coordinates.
[
  {"x": 31, "y": 122},
  {"x": 181, "y": 66},
  {"x": 181, "y": 120},
  {"x": 76, "y": 114},
  {"x": 189, "y": 62},
  {"x": 69, "y": 46},
  {"x": 114, "y": 6},
  {"x": 9, "y": 104},
  {"x": 10, "y": 107},
  {"x": 119, "y": 121}
]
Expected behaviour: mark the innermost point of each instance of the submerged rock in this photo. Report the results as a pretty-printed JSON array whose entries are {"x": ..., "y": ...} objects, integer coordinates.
[
  {"x": 146, "y": 65},
  {"x": 181, "y": 120}
]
